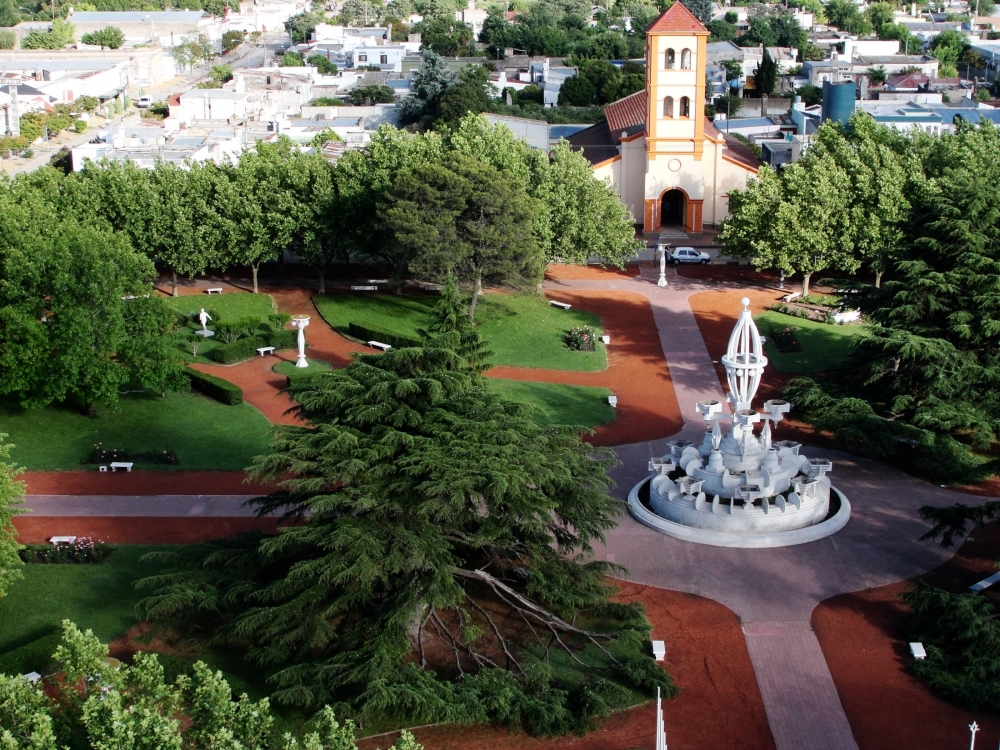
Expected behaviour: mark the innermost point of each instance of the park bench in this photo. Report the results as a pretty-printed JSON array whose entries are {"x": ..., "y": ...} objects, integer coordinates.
[
  {"x": 560, "y": 305},
  {"x": 102, "y": 468},
  {"x": 985, "y": 583},
  {"x": 378, "y": 281},
  {"x": 918, "y": 651},
  {"x": 265, "y": 350},
  {"x": 127, "y": 465},
  {"x": 62, "y": 539},
  {"x": 613, "y": 400},
  {"x": 32, "y": 677},
  {"x": 379, "y": 345},
  {"x": 433, "y": 288},
  {"x": 364, "y": 288},
  {"x": 214, "y": 290},
  {"x": 659, "y": 650},
  {"x": 606, "y": 339},
  {"x": 791, "y": 297}
]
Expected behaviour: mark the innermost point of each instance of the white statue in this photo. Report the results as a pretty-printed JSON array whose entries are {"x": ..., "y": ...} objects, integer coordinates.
[
  {"x": 203, "y": 318},
  {"x": 663, "y": 266},
  {"x": 300, "y": 322}
]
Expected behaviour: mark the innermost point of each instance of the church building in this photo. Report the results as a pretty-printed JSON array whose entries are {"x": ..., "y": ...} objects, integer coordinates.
[{"x": 671, "y": 166}]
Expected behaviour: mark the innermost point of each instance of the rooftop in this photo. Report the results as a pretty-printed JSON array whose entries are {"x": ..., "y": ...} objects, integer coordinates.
[
  {"x": 677, "y": 19},
  {"x": 137, "y": 16}
]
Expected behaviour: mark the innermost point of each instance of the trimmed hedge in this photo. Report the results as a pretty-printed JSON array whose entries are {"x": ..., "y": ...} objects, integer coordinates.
[
  {"x": 282, "y": 339},
  {"x": 395, "y": 340},
  {"x": 237, "y": 351},
  {"x": 217, "y": 388},
  {"x": 34, "y": 656}
]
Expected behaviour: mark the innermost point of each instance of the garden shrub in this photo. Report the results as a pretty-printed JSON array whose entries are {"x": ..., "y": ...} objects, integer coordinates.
[
  {"x": 237, "y": 351},
  {"x": 784, "y": 340},
  {"x": 581, "y": 339},
  {"x": 84, "y": 551},
  {"x": 231, "y": 331},
  {"x": 217, "y": 388},
  {"x": 279, "y": 320},
  {"x": 282, "y": 339},
  {"x": 101, "y": 455},
  {"x": 395, "y": 340},
  {"x": 80, "y": 126}
]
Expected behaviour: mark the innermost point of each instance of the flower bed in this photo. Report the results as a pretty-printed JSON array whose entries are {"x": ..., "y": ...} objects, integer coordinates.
[
  {"x": 84, "y": 551},
  {"x": 785, "y": 341},
  {"x": 581, "y": 339}
]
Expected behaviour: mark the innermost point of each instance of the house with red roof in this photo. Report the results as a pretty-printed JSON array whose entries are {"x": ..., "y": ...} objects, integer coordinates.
[{"x": 671, "y": 166}]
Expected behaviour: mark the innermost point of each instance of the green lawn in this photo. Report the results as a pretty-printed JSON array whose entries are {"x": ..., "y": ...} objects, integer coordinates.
[
  {"x": 557, "y": 403},
  {"x": 220, "y": 307},
  {"x": 203, "y": 433},
  {"x": 288, "y": 369},
  {"x": 100, "y": 597},
  {"x": 522, "y": 330},
  {"x": 824, "y": 346}
]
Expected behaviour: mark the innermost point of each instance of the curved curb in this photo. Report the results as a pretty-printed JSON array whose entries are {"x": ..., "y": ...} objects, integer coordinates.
[{"x": 743, "y": 541}]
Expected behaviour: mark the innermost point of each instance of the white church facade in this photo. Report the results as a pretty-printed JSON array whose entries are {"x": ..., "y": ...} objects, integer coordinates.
[{"x": 671, "y": 166}]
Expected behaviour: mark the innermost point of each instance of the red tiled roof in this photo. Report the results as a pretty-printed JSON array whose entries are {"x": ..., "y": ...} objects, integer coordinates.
[
  {"x": 626, "y": 113},
  {"x": 677, "y": 18},
  {"x": 738, "y": 152},
  {"x": 710, "y": 130}
]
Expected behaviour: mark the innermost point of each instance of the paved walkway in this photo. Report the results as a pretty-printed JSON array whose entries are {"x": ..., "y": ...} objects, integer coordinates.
[
  {"x": 165, "y": 506},
  {"x": 772, "y": 591}
]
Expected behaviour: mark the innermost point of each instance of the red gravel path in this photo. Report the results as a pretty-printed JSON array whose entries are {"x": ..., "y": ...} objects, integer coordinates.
[
  {"x": 141, "y": 483},
  {"x": 558, "y": 271},
  {"x": 719, "y": 707},
  {"x": 136, "y": 530},
  {"x": 864, "y": 641}
]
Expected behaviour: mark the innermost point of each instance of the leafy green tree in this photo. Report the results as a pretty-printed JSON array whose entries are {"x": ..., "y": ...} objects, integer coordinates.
[
  {"x": 797, "y": 221},
  {"x": 110, "y": 36},
  {"x": 291, "y": 60},
  {"x": 58, "y": 36},
  {"x": 445, "y": 35},
  {"x": 468, "y": 96},
  {"x": 79, "y": 318},
  {"x": 702, "y": 9},
  {"x": 11, "y": 496},
  {"x": 879, "y": 14},
  {"x": 372, "y": 94},
  {"x": 721, "y": 31},
  {"x": 759, "y": 34},
  {"x": 481, "y": 228},
  {"x": 10, "y": 14},
  {"x": 102, "y": 704},
  {"x": 766, "y": 74},
  {"x": 577, "y": 91},
  {"x": 413, "y": 526},
  {"x": 844, "y": 14},
  {"x": 300, "y": 27},
  {"x": 231, "y": 40},
  {"x": 323, "y": 64},
  {"x": 430, "y": 81},
  {"x": 221, "y": 73},
  {"x": 8, "y": 40},
  {"x": 588, "y": 219}
]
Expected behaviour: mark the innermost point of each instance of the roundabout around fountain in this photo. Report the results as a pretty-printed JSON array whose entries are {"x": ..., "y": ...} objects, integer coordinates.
[{"x": 738, "y": 489}]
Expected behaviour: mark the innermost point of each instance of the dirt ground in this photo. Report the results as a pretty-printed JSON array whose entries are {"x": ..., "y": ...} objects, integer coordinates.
[
  {"x": 81, "y": 482},
  {"x": 558, "y": 271},
  {"x": 136, "y": 530},
  {"x": 719, "y": 707},
  {"x": 864, "y": 641}
]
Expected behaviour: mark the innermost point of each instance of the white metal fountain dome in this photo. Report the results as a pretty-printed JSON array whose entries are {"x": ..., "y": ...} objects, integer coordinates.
[{"x": 740, "y": 489}]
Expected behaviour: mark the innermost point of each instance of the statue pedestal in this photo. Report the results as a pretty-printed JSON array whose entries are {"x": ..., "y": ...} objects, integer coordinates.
[
  {"x": 206, "y": 334},
  {"x": 663, "y": 280}
]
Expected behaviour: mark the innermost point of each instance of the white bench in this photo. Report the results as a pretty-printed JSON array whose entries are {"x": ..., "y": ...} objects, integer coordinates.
[
  {"x": 659, "y": 650},
  {"x": 985, "y": 583},
  {"x": 433, "y": 288},
  {"x": 791, "y": 297},
  {"x": 62, "y": 539},
  {"x": 265, "y": 350},
  {"x": 560, "y": 305},
  {"x": 606, "y": 339},
  {"x": 379, "y": 345},
  {"x": 127, "y": 465},
  {"x": 378, "y": 281},
  {"x": 364, "y": 288},
  {"x": 613, "y": 400},
  {"x": 918, "y": 651},
  {"x": 102, "y": 468},
  {"x": 32, "y": 677},
  {"x": 214, "y": 290}
]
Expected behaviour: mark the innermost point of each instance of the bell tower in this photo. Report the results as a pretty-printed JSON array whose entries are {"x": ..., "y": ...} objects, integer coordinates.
[{"x": 675, "y": 84}]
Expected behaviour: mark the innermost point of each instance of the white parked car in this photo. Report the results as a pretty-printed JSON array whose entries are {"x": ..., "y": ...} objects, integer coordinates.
[
  {"x": 688, "y": 255},
  {"x": 144, "y": 101}
]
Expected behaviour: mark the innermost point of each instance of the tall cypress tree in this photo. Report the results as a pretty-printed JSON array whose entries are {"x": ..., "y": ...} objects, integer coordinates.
[{"x": 454, "y": 329}]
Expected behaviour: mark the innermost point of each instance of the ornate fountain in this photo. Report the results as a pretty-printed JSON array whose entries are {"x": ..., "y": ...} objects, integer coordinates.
[{"x": 738, "y": 489}]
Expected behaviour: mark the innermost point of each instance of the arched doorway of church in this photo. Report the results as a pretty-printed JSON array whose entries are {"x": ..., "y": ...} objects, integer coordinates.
[{"x": 672, "y": 209}]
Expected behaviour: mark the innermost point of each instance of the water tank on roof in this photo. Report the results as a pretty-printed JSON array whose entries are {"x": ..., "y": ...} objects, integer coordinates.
[{"x": 838, "y": 101}]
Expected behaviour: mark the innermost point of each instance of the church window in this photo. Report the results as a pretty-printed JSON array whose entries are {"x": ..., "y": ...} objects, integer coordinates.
[
  {"x": 686, "y": 60},
  {"x": 685, "y": 107},
  {"x": 668, "y": 107},
  {"x": 669, "y": 57}
]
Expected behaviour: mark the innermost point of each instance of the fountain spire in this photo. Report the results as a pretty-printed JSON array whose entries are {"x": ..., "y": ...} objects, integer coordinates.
[{"x": 744, "y": 360}]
